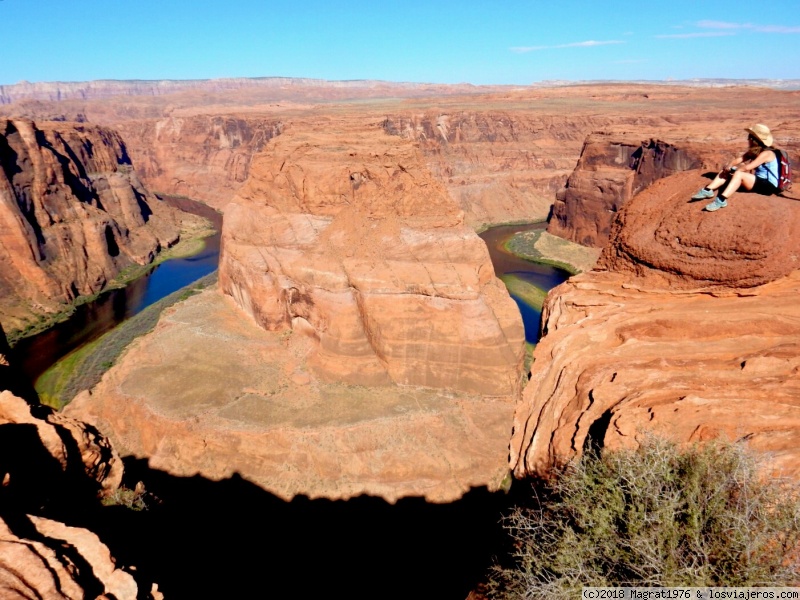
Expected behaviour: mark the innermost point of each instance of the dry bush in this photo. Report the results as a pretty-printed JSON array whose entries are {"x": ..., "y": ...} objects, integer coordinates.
[
  {"x": 136, "y": 499},
  {"x": 656, "y": 516}
]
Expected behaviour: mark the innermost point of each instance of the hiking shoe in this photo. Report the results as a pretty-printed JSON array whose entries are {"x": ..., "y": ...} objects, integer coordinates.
[
  {"x": 703, "y": 194},
  {"x": 716, "y": 205}
]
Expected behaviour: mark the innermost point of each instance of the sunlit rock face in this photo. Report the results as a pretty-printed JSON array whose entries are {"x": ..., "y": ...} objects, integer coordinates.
[
  {"x": 612, "y": 169},
  {"x": 500, "y": 166},
  {"x": 73, "y": 213},
  {"x": 204, "y": 157},
  {"x": 342, "y": 234},
  {"x": 361, "y": 343},
  {"x": 688, "y": 328}
]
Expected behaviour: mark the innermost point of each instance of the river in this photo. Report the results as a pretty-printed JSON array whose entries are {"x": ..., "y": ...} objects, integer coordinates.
[
  {"x": 39, "y": 352},
  {"x": 541, "y": 276}
]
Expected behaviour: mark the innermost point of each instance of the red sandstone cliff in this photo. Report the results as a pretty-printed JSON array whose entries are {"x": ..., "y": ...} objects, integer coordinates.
[
  {"x": 611, "y": 170},
  {"x": 688, "y": 328},
  {"x": 204, "y": 157},
  {"x": 73, "y": 214},
  {"x": 346, "y": 237},
  {"x": 500, "y": 166},
  {"x": 501, "y": 155}
]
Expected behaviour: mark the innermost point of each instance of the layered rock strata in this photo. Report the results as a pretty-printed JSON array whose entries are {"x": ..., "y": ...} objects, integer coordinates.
[
  {"x": 266, "y": 88},
  {"x": 346, "y": 237},
  {"x": 210, "y": 393},
  {"x": 73, "y": 214},
  {"x": 500, "y": 166},
  {"x": 205, "y": 157},
  {"x": 690, "y": 330},
  {"x": 501, "y": 153},
  {"x": 610, "y": 171}
]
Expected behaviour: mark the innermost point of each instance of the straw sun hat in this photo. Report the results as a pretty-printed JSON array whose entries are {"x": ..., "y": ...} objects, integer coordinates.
[{"x": 761, "y": 132}]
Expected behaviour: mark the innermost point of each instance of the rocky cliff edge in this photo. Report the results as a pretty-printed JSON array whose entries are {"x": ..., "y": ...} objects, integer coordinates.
[{"x": 688, "y": 328}]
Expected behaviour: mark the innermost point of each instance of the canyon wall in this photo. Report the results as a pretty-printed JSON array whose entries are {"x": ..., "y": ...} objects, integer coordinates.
[
  {"x": 688, "y": 329},
  {"x": 506, "y": 166},
  {"x": 73, "y": 214},
  {"x": 611, "y": 170},
  {"x": 204, "y": 157},
  {"x": 503, "y": 156},
  {"x": 499, "y": 166},
  {"x": 361, "y": 343}
]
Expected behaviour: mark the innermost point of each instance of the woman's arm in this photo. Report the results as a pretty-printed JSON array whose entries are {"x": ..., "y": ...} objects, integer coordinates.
[
  {"x": 764, "y": 156},
  {"x": 736, "y": 162}
]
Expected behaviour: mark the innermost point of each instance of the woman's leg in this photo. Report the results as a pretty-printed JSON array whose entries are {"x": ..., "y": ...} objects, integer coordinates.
[
  {"x": 721, "y": 178},
  {"x": 739, "y": 178}
]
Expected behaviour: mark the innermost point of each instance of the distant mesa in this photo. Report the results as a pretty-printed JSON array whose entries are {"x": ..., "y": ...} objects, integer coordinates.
[{"x": 291, "y": 87}]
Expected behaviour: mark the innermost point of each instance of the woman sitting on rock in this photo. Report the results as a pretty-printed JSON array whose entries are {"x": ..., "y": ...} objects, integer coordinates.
[{"x": 756, "y": 171}]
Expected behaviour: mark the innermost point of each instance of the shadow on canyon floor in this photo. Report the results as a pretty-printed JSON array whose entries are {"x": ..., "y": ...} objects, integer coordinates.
[{"x": 207, "y": 539}]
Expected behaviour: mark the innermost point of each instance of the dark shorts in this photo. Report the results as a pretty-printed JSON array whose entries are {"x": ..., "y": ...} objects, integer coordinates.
[{"x": 763, "y": 187}]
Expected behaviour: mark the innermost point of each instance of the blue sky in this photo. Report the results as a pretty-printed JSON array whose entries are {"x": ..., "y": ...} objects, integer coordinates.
[{"x": 441, "y": 41}]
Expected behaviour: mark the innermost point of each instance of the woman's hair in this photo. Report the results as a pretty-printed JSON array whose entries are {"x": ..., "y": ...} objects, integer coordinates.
[{"x": 753, "y": 139}]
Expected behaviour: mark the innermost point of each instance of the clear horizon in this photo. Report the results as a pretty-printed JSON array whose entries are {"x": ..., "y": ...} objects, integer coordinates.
[{"x": 511, "y": 43}]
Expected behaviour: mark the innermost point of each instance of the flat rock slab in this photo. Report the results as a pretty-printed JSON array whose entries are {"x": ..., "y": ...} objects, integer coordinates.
[{"x": 210, "y": 393}]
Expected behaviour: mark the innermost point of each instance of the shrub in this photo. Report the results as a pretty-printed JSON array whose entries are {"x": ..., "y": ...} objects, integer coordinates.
[
  {"x": 656, "y": 516},
  {"x": 133, "y": 499}
]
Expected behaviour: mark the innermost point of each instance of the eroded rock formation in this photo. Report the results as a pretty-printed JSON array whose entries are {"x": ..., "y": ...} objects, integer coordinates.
[
  {"x": 363, "y": 344},
  {"x": 500, "y": 152},
  {"x": 42, "y": 558},
  {"x": 210, "y": 393},
  {"x": 48, "y": 457},
  {"x": 689, "y": 330},
  {"x": 48, "y": 463},
  {"x": 500, "y": 166},
  {"x": 611, "y": 170},
  {"x": 348, "y": 239},
  {"x": 73, "y": 214}
]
